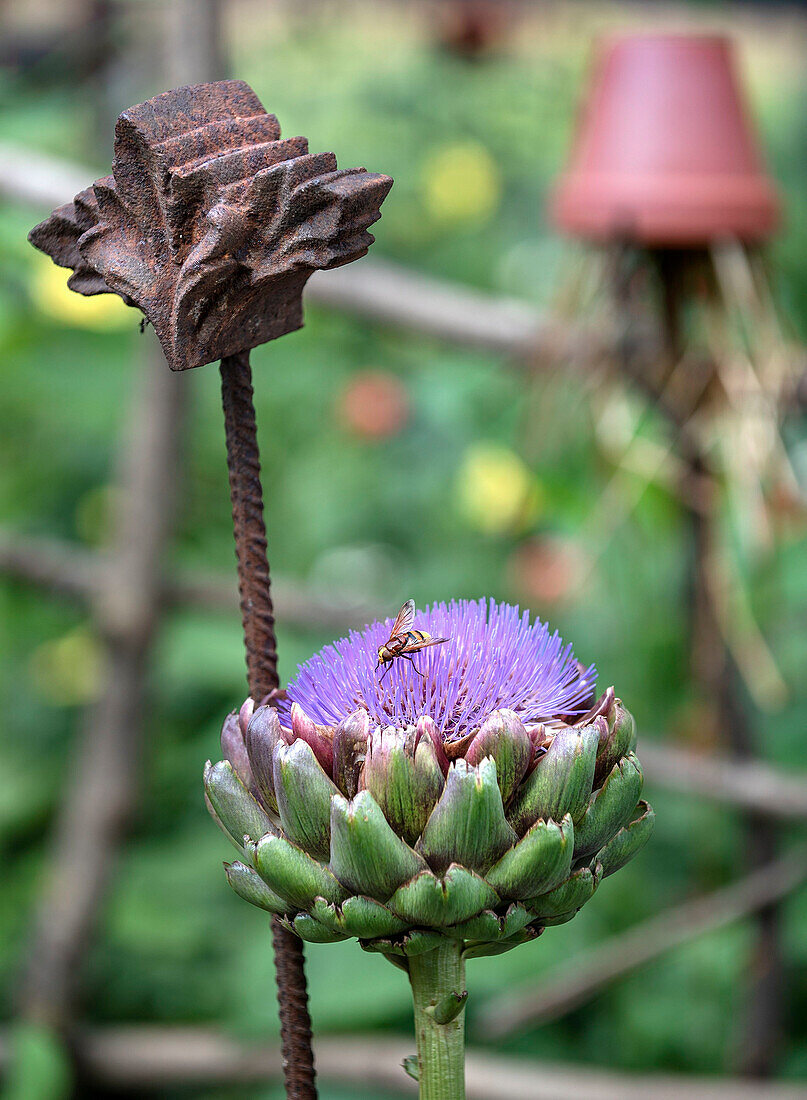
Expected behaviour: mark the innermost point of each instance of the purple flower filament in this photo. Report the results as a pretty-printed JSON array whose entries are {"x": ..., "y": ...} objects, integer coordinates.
[{"x": 494, "y": 658}]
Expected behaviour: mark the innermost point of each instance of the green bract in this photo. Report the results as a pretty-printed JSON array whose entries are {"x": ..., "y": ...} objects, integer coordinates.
[{"x": 406, "y": 840}]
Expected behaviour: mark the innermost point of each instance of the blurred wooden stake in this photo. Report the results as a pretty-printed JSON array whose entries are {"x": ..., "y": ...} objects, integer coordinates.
[
  {"x": 100, "y": 786},
  {"x": 143, "y": 1059},
  {"x": 579, "y": 979},
  {"x": 715, "y": 676},
  {"x": 73, "y": 572},
  {"x": 193, "y": 42},
  {"x": 380, "y": 292}
]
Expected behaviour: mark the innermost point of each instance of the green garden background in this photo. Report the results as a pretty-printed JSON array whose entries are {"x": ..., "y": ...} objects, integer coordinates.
[{"x": 478, "y": 468}]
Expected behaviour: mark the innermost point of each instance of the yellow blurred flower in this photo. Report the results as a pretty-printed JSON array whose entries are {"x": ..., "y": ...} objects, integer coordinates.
[
  {"x": 496, "y": 491},
  {"x": 461, "y": 183},
  {"x": 69, "y": 671},
  {"x": 53, "y": 297}
]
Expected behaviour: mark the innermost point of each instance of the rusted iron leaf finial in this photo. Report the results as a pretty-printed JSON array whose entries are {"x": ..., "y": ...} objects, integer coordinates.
[{"x": 210, "y": 223}]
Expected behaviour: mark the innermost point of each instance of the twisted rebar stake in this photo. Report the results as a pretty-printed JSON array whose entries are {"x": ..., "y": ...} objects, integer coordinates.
[
  {"x": 211, "y": 225},
  {"x": 246, "y": 494},
  {"x": 257, "y": 614}
]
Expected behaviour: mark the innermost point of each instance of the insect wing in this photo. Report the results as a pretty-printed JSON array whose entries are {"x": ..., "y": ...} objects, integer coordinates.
[
  {"x": 416, "y": 647},
  {"x": 404, "y": 619}
]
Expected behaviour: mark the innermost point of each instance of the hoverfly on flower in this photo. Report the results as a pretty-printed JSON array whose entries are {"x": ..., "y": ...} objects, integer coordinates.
[{"x": 404, "y": 640}]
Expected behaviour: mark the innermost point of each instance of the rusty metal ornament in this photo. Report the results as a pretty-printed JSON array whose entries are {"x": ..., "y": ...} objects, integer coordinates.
[{"x": 210, "y": 223}]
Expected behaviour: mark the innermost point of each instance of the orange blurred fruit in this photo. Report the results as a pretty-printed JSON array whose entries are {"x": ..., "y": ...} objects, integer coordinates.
[
  {"x": 547, "y": 569},
  {"x": 374, "y": 405}
]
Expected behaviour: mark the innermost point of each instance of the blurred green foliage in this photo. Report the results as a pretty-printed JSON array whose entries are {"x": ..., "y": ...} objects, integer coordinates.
[{"x": 381, "y": 517}]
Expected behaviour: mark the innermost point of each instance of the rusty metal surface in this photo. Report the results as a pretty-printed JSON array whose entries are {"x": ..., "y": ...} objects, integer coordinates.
[
  {"x": 257, "y": 614},
  {"x": 246, "y": 494},
  {"x": 210, "y": 223},
  {"x": 295, "y": 1023}
]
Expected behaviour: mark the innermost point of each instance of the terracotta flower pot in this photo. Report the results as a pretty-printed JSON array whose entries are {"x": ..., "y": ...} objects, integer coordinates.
[{"x": 665, "y": 153}]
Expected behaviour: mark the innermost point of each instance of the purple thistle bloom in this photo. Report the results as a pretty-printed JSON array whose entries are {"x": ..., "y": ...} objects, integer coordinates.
[
  {"x": 494, "y": 658},
  {"x": 469, "y": 805}
]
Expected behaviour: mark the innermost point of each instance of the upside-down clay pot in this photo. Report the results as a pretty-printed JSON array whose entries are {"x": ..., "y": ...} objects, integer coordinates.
[{"x": 665, "y": 153}]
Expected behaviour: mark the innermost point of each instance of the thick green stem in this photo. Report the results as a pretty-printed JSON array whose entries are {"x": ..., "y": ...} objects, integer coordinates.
[{"x": 438, "y": 978}]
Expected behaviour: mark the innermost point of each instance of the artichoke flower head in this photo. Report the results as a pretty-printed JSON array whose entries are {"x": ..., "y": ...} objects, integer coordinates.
[{"x": 478, "y": 795}]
